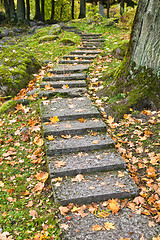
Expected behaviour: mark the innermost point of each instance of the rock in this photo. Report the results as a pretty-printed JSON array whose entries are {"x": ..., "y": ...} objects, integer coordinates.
[
  {"x": 17, "y": 30},
  {"x": 16, "y": 66},
  {"x": 6, "y": 39},
  {"x": 47, "y": 38},
  {"x": 5, "y": 32},
  {"x": 67, "y": 41},
  {"x": 55, "y": 29},
  {"x": 40, "y": 23},
  {"x": 32, "y": 24}
]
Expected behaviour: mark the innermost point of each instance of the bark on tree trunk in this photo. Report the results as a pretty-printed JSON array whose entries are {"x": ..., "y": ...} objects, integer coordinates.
[
  {"x": 144, "y": 47},
  {"x": 101, "y": 9},
  {"x": 42, "y": 10},
  {"x": 37, "y": 10},
  {"x": 72, "y": 10},
  {"x": 13, "y": 14},
  {"x": 20, "y": 10},
  {"x": 52, "y": 12},
  {"x": 82, "y": 9},
  {"x": 28, "y": 9},
  {"x": 7, "y": 11},
  {"x": 108, "y": 5}
]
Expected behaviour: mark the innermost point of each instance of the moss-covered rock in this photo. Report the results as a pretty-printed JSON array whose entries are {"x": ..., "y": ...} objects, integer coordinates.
[
  {"x": 67, "y": 41},
  {"x": 11, "y": 104},
  {"x": 120, "y": 51},
  {"x": 16, "y": 68},
  {"x": 48, "y": 38}
]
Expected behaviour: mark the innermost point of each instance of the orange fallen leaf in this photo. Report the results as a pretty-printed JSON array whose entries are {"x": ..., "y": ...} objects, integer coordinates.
[
  {"x": 151, "y": 172},
  {"x": 38, "y": 187},
  {"x": 108, "y": 226},
  {"x": 65, "y": 86},
  {"x": 38, "y": 141},
  {"x": 113, "y": 205},
  {"x": 96, "y": 227},
  {"x": 81, "y": 120},
  {"x": 139, "y": 200},
  {"x": 66, "y": 136},
  {"x": 42, "y": 176},
  {"x": 30, "y": 204}
]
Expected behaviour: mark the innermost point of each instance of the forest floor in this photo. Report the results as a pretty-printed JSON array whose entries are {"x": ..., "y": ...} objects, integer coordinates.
[{"x": 27, "y": 209}]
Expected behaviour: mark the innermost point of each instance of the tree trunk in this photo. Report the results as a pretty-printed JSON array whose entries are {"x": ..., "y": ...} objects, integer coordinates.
[
  {"x": 82, "y": 9},
  {"x": 121, "y": 7},
  {"x": 101, "y": 9},
  {"x": 28, "y": 9},
  {"x": 144, "y": 45},
  {"x": 13, "y": 15},
  {"x": 42, "y": 10},
  {"x": 37, "y": 10},
  {"x": 52, "y": 12},
  {"x": 72, "y": 10},
  {"x": 108, "y": 5},
  {"x": 20, "y": 10},
  {"x": 7, "y": 10}
]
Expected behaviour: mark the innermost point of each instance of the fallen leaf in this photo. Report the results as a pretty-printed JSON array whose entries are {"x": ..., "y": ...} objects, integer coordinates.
[
  {"x": 30, "y": 204},
  {"x": 66, "y": 136},
  {"x": 96, "y": 227},
  {"x": 110, "y": 120},
  {"x": 50, "y": 137},
  {"x": 81, "y": 120},
  {"x": 65, "y": 86},
  {"x": 60, "y": 164},
  {"x": 108, "y": 226},
  {"x": 151, "y": 223},
  {"x": 64, "y": 226},
  {"x": 139, "y": 200},
  {"x": 42, "y": 176},
  {"x": 151, "y": 172},
  {"x": 33, "y": 214},
  {"x": 54, "y": 119},
  {"x": 38, "y": 141},
  {"x": 78, "y": 178},
  {"x": 113, "y": 205},
  {"x": 64, "y": 210},
  {"x": 95, "y": 142},
  {"x": 38, "y": 187}
]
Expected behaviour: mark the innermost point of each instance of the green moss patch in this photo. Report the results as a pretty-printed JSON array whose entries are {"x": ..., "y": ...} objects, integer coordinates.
[
  {"x": 16, "y": 66},
  {"x": 48, "y": 38}
]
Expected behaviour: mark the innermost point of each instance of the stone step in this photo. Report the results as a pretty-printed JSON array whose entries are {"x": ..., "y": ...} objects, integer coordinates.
[
  {"x": 93, "y": 40},
  {"x": 62, "y": 69},
  {"x": 69, "y": 92},
  {"x": 68, "y": 109},
  {"x": 84, "y": 48},
  {"x": 64, "y": 84},
  {"x": 78, "y": 144},
  {"x": 75, "y": 61},
  {"x": 90, "y": 44},
  {"x": 94, "y": 188},
  {"x": 79, "y": 57},
  {"x": 83, "y": 162},
  {"x": 74, "y": 127},
  {"x": 72, "y": 76},
  {"x": 91, "y": 35},
  {"x": 87, "y": 52}
]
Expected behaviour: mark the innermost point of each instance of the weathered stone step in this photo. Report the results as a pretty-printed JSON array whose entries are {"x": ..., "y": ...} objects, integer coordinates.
[
  {"x": 74, "y": 127},
  {"x": 87, "y": 52},
  {"x": 74, "y": 76},
  {"x": 75, "y": 61},
  {"x": 93, "y": 40},
  {"x": 69, "y": 92},
  {"x": 80, "y": 57},
  {"x": 78, "y": 144},
  {"x": 95, "y": 188},
  {"x": 64, "y": 84},
  {"x": 83, "y": 48},
  {"x": 62, "y": 69},
  {"x": 68, "y": 109},
  {"x": 83, "y": 162},
  {"x": 91, "y": 35},
  {"x": 90, "y": 44}
]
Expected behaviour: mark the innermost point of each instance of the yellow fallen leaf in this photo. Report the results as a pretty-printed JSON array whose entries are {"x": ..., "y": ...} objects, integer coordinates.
[
  {"x": 42, "y": 176},
  {"x": 66, "y": 136},
  {"x": 96, "y": 227},
  {"x": 110, "y": 120},
  {"x": 108, "y": 226},
  {"x": 54, "y": 119},
  {"x": 95, "y": 142},
  {"x": 63, "y": 210},
  {"x": 50, "y": 137}
]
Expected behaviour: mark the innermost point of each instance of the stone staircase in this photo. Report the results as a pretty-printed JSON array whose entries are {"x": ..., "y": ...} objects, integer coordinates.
[{"x": 80, "y": 152}]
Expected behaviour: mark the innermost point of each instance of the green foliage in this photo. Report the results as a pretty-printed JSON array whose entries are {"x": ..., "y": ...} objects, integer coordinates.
[{"x": 47, "y": 38}]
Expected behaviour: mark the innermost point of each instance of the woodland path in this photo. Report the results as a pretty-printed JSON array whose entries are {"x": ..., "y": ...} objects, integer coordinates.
[{"x": 83, "y": 163}]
